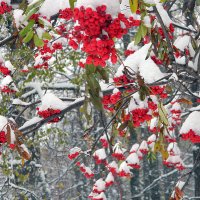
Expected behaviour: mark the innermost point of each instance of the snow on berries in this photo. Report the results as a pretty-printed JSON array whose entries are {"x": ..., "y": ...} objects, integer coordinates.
[
  {"x": 118, "y": 152},
  {"x": 174, "y": 159},
  {"x": 124, "y": 170},
  {"x": 104, "y": 140},
  {"x": 113, "y": 167},
  {"x": 133, "y": 161},
  {"x": 100, "y": 156},
  {"x": 7, "y": 85},
  {"x": 99, "y": 186},
  {"x": 190, "y": 129},
  {"x": 109, "y": 180},
  {"x": 50, "y": 105},
  {"x": 134, "y": 148},
  {"x": 74, "y": 153},
  {"x": 87, "y": 172},
  {"x": 5, "y": 67},
  {"x": 3, "y": 123},
  {"x": 144, "y": 147}
]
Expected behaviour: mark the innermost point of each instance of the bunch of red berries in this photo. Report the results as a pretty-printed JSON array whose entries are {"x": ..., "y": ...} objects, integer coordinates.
[
  {"x": 4, "y": 70},
  {"x": 140, "y": 115},
  {"x": 95, "y": 31},
  {"x": 122, "y": 80},
  {"x": 49, "y": 112},
  {"x": 158, "y": 90},
  {"x": 4, "y": 8},
  {"x": 3, "y": 137},
  {"x": 6, "y": 89}
]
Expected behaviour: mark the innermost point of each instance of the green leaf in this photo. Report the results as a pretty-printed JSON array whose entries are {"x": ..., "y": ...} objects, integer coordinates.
[
  {"x": 71, "y": 2},
  {"x": 103, "y": 73},
  {"x": 25, "y": 30},
  {"x": 38, "y": 42},
  {"x": 36, "y": 5},
  {"x": 90, "y": 69},
  {"x": 143, "y": 30},
  {"x": 28, "y": 37},
  {"x": 133, "y": 5},
  {"x": 96, "y": 102},
  {"x": 163, "y": 114},
  {"x": 46, "y": 36},
  {"x": 94, "y": 91},
  {"x": 138, "y": 37},
  {"x": 33, "y": 11}
]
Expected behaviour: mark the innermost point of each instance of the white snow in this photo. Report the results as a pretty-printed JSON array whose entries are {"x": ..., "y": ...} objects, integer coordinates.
[
  {"x": 164, "y": 15},
  {"x": 182, "y": 42},
  {"x": 192, "y": 122},
  {"x": 6, "y": 1},
  {"x": 109, "y": 178},
  {"x": 18, "y": 17},
  {"x": 173, "y": 148},
  {"x": 114, "y": 165},
  {"x": 40, "y": 32},
  {"x": 100, "y": 153},
  {"x": 134, "y": 148},
  {"x": 74, "y": 150},
  {"x": 50, "y": 8},
  {"x": 147, "y": 21},
  {"x": 8, "y": 81},
  {"x": 136, "y": 102},
  {"x": 34, "y": 120},
  {"x": 132, "y": 46},
  {"x": 124, "y": 167},
  {"x": 134, "y": 60},
  {"x": 181, "y": 60},
  {"x": 100, "y": 185},
  {"x": 150, "y": 71},
  {"x": 49, "y": 100},
  {"x": 196, "y": 62},
  {"x": 143, "y": 145},
  {"x": 3, "y": 122},
  {"x": 113, "y": 7},
  {"x": 176, "y": 106},
  {"x": 9, "y": 65},
  {"x": 24, "y": 148},
  {"x": 133, "y": 159},
  {"x": 152, "y": 138},
  {"x": 20, "y": 102}
]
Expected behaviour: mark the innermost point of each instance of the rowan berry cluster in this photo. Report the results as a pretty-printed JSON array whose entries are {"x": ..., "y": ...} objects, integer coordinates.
[
  {"x": 4, "y": 8},
  {"x": 95, "y": 32},
  {"x": 4, "y": 70},
  {"x": 140, "y": 115},
  {"x": 122, "y": 80},
  {"x": 49, "y": 112},
  {"x": 6, "y": 89},
  {"x": 110, "y": 100},
  {"x": 192, "y": 136},
  {"x": 158, "y": 90},
  {"x": 3, "y": 137}
]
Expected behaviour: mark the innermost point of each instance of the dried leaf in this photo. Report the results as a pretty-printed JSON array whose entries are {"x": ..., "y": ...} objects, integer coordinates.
[
  {"x": 23, "y": 161},
  {"x": 26, "y": 155},
  {"x": 178, "y": 194},
  {"x": 133, "y": 5},
  {"x": 8, "y": 135},
  {"x": 165, "y": 154},
  {"x": 185, "y": 101}
]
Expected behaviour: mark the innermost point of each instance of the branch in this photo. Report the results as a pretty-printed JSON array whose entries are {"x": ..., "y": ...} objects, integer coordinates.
[{"x": 8, "y": 39}]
